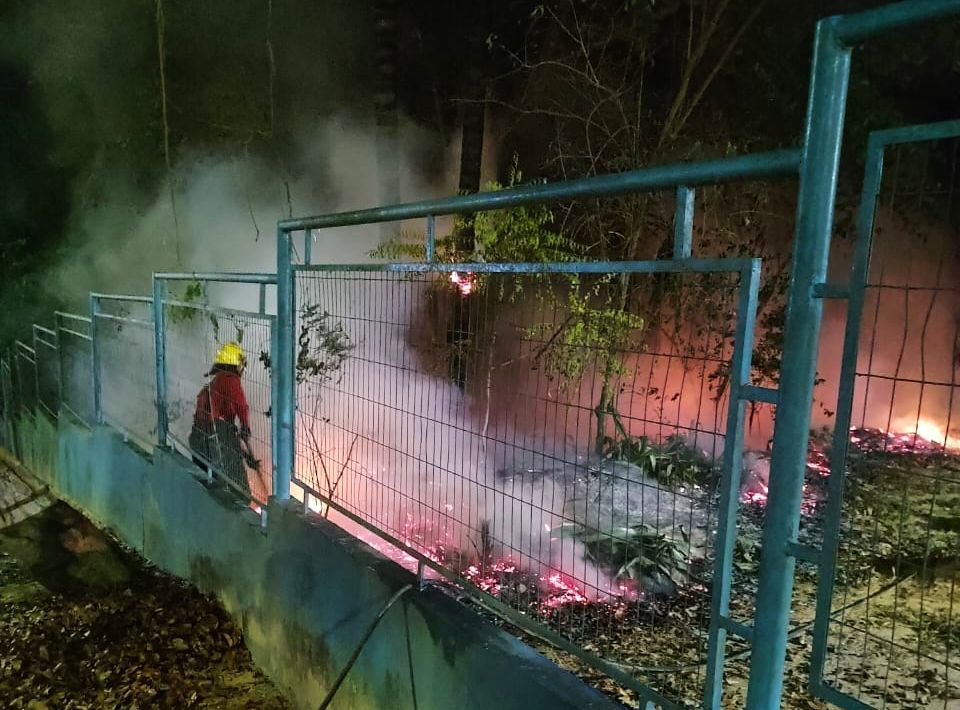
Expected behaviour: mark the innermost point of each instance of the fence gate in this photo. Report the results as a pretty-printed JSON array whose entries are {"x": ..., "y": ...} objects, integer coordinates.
[
  {"x": 471, "y": 417},
  {"x": 887, "y": 624},
  {"x": 188, "y": 332}
]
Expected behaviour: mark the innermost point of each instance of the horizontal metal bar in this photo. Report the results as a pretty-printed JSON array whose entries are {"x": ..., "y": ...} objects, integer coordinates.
[
  {"x": 658, "y": 266},
  {"x": 826, "y": 290},
  {"x": 741, "y": 168},
  {"x": 218, "y": 310},
  {"x": 915, "y": 134},
  {"x": 125, "y": 319},
  {"x": 42, "y": 329},
  {"x": 72, "y": 316},
  {"x": 69, "y": 410},
  {"x": 84, "y": 336},
  {"x": 906, "y": 380},
  {"x": 803, "y": 552},
  {"x": 220, "y": 277},
  {"x": 41, "y": 341},
  {"x": 841, "y": 700},
  {"x": 121, "y": 297},
  {"x": 752, "y": 393},
  {"x": 857, "y": 27},
  {"x": 736, "y": 628},
  {"x": 23, "y": 346},
  {"x": 499, "y": 608}
]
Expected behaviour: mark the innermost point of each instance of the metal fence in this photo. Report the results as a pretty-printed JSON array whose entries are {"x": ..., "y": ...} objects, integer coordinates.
[
  {"x": 47, "y": 355},
  {"x": 511, "y": 430},
  {"x": 123, "y": 351},
  {"x": 887, "y": 619},
  {"x": 25, "y": 377},
  {"x": 104, "y": 369},
  {"x": 75, "y": 367},
  {"x": 191, "y": 333}
]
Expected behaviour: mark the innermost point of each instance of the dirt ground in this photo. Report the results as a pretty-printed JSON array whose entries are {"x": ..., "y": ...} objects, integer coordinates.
[{"x": 85, "y": 624}]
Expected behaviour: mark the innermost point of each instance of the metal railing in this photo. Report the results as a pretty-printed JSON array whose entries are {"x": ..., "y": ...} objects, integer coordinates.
[
  {"x": 75, "y": 366},
  {"x": 123, "y": 374},
  {"x": 188, "y": 333},
  {"x": 46, "y": 352},
  {"x": 887, "y": 596},
  {"x": 494, "y": 447}
]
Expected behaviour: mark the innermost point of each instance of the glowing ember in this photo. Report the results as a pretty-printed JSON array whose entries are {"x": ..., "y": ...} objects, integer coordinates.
[
  {"x": 490, "y": 580},
  {"x": 922, "y": 442},
  {"x": 561, "y": 592},
  {"x": 465, "y": 283},
  {"x": 875, "y": 441}
]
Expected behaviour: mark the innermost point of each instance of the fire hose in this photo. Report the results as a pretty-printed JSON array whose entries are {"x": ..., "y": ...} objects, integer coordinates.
[{"x": 332, "y": 693}]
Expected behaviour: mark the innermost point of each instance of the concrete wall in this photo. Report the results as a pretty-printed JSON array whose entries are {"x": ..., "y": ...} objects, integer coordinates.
[{"x": 303, "y": 590}]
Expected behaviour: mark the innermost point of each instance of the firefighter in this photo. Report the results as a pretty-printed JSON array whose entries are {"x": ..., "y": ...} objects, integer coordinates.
[{"x": 220, "y": 437}]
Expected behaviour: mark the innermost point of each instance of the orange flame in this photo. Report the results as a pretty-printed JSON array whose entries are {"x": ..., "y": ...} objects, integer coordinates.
[{"x": 464, "y": 282}]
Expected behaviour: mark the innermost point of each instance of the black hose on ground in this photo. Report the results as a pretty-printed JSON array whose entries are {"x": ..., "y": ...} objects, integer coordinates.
[{"x": 332, "y": 693}]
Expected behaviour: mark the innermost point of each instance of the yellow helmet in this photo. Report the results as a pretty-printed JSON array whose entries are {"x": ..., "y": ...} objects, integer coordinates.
[{"x": 230, "y": 354}]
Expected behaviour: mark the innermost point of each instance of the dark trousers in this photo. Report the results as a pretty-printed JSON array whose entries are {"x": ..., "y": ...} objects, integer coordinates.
[{"x": 218, "y": 446}]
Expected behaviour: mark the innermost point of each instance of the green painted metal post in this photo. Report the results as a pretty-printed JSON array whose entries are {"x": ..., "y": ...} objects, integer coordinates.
[
  {"x": 818, "y": 180},
  {"x": 730, "y": 481},
  {"x": 284, "y": 367},
  {"x": 160, "y": 361},
  {"x": 95, "y": 362},
  {"x": 841, "y": 436}
]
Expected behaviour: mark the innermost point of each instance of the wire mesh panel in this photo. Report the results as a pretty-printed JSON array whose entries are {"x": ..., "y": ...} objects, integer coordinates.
[
  {"x": 26, "y": 377},
  {"x": 75, "y": 366},
  {"x": 195, "y": 334},
  {"x": 125, "y": 347},
  {"x": 893, "y": 634},
  {"x": 48, "y": 369},
  {"x": 9, "y": 410},
  {"x": 544, "y": 439}
]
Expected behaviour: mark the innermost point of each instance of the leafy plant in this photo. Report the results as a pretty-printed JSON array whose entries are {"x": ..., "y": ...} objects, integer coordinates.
[
  {"x": 518, "y": 234},
  {"x": 638, "y": 552},
  {"x": 674, "y": 462},
  {"x": 193, "y": 293},
  {"x": 322, "y": 346}
]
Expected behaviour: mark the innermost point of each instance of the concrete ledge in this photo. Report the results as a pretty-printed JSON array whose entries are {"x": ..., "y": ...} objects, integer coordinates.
[{"x": 303, "y": 590}]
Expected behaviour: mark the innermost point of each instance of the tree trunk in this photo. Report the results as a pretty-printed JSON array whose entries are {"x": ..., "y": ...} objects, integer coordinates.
[
  {"x": 473, "y": 112},
  {"x": 385, "y": 108}
]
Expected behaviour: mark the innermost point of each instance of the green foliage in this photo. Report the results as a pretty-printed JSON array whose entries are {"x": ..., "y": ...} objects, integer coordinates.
[
  {"x": 593, "y": 335},
  {"x": 192, "y": 294},
  {"x": 322, "y": 346},
  {"x": 638, "y": 552},
  {"x": 411, "y": 247},
  {"x": 674, "y": 462},
  {"x": 520, "y": 234}
]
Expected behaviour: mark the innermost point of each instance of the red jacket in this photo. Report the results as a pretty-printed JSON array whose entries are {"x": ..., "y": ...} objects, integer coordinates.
[{"x": 222, "y": 398}]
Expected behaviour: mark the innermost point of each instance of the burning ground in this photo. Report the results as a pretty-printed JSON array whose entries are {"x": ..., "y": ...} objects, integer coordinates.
[{"x": 895, "y": 601}]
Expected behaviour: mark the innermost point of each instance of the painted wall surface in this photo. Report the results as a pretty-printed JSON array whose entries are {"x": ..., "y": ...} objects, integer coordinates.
[{"x": 303, "y": 590}]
